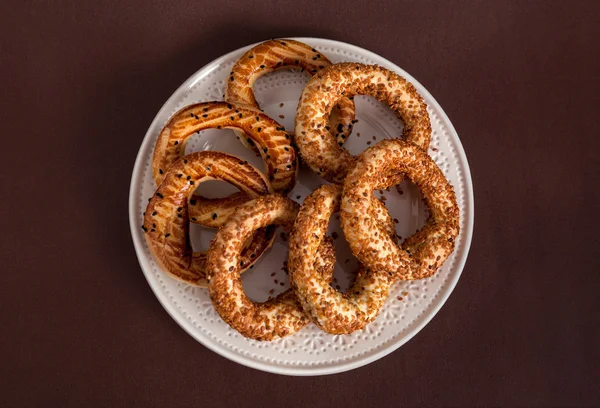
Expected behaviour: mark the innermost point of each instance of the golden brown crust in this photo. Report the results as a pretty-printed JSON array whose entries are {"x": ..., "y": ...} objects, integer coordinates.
[
  {"x": 333, "y": 311},
  {"x": 421, "y": 254},
  {"x": 167, "y": 216},
  {"x": 316, "y": 143},
  {"x": 282, "y": 54},
  {"x": 274, "y": 143},
  {"x": 277, "y": 317}
]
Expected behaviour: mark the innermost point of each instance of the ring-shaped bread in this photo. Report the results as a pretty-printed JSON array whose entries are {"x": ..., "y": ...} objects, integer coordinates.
[
  {"x": 274, "y": 143},
  {"x": 333, "y": 311},
  {"x": 316, "y": 143},
  {"x": 275, "y": 318},
  {"x": 283, "y": 54},
  {"x": 420, "y": 255},
  {"x": 166, "y": 220}
]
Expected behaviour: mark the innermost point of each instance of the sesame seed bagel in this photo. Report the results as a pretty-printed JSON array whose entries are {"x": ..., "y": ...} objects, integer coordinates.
[
  {"x": 167, "y": 216},
  {"x": 423, "y": 253},
  {"x": 275, "y": 318},
  {"x": 318, "y": 145},
  {"x": 331, "y": 310},
  {"x": 282, "y": 54},
  {"x": 273, "y": 142}
]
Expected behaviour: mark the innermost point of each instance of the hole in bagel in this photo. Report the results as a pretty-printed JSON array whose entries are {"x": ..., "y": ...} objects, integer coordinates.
[
  {"x": 346, "y": 264},
  {"x": 215, "y": 189},
  {"x": 374, "y": 119},
  {"x": 268, "y": 277},
  {"x": 222, "y": 140},
  {"x": 405, "y": 205}
]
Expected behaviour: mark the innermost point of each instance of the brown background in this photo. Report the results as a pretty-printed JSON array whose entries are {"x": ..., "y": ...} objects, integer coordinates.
[{"x": 81, "y": 82}]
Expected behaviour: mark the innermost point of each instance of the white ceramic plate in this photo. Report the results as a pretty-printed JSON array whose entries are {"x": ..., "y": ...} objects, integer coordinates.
[{"x": 309, "y": 352}]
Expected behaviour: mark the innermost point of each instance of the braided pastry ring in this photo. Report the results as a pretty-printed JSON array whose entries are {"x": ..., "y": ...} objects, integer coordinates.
[
  {"x": 274, "y": 143},
  {"x": 317, "y": 146},
  {"x": 275, "y": 318},
  {"x": 423, "y": 253},
  {"x": 281, "y": 54},
  {"x": 166, "y": 220},
  {"x": 331, "y": 310}
]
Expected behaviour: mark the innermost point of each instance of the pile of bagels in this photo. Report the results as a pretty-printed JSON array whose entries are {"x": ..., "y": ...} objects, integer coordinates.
[{"x": 247, "y": 220}]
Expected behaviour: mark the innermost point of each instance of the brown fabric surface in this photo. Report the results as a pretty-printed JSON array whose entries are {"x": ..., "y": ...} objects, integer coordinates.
[{"x": 81, "y": 82}]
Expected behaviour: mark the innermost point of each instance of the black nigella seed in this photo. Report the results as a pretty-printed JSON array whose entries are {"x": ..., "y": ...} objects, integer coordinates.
[
  {"x": 262, "y": 66},
  {"x": 259, "y": 129},
  {"x": 176, "y": 142},
  {"x": 237, "y": 111},
  {"x": 184, "y": 161},
  {"x": 214, "y": 216},
  {"x": 154, "y": 213},
  {"x": 251, "y": 56},
  {"x": 179, "y": 215},
  {"x": 188, "y": 177},
  {"x": 229, "y": 106},
  {"x": 196, "y": 116},
  {"x": 321, "y": 66},
  {"x": 205, "y": 115},
  {"x": 282, "y": 43},
  {"x": 192, "y": 182},
  {"x": 265, "y": 150},
  {"x": 275, "y": 171},
  {"x": 219, "y": 127},
  {"x": 341, "y": 143},
  {"x": 288, "y": 167},
  {"x": 192, "y": 115},
  {"x": 231, "y": 78},
  {"x": 318, "y": 55},
  {"x": 287, "y": 136},
  {"x": 314, "y": 58},
  {"x": 240, "y": 115},
  {"x": 153, "y": 225},
  {"x": 152, "y": 230},
  {"x": 252, "y": 256},
  {"x": 159, "y": 195},
  {"x": 232, "y": 118},
  {"x": 193, "y": 201},
  {"x": 160, "y": 171},
  {"x": 179, "y": 209},
  {"x": 167, "y": 235},
  {"x": 144, "y": 228},
  {"x": 208, "y": 168},
  {"x": 287, "y": 149},
  {"x": 193, "y": 218},
  {"x": 205, "y": 109},
  {"x": 257, "y": 118}
]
